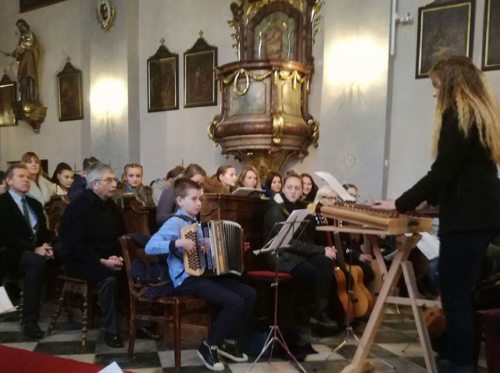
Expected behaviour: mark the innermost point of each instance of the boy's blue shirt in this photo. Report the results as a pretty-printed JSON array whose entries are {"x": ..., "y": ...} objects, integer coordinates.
[{"x": 163, "y": 242}]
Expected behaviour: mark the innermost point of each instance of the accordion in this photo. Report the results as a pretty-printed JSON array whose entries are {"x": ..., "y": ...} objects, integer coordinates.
[{"x": 218, "y": 248}]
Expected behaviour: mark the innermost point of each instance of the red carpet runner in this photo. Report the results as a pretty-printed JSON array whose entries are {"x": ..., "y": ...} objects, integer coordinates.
[{"x": 15, "y": 360}]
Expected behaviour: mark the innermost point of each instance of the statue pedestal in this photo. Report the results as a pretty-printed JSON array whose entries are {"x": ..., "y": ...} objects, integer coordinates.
[{"x": 32, "y": 113}]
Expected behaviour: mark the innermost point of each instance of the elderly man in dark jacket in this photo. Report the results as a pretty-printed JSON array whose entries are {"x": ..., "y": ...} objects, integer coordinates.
[{"x": 90, "y": 228}]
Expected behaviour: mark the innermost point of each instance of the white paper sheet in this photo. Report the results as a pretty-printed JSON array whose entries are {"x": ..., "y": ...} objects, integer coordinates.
[
  {"x": 337, "y": 187},
  {"x": 5, "y": 303}
]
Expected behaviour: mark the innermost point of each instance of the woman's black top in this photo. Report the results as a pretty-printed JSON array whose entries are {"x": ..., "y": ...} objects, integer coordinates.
[{"x": 462, "y": 180}]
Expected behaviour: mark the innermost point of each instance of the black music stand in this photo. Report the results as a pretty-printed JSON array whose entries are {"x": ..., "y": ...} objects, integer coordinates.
[
  {"x": 349, "y": 331},
  {"x": 281, "y": 242}
]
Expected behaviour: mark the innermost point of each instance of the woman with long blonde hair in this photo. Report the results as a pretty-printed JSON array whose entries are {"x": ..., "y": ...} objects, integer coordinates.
[
  {"x": 41, "y": 188},
  {"x": 463, "y": 181}
]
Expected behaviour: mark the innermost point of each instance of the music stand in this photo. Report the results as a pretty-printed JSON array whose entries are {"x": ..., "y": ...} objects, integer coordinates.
[
  {"x": 280, "y": 242},
  {"x": 349, "y": 331}
]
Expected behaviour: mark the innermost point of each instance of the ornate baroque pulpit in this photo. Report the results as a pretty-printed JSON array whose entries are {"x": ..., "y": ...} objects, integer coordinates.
[{"x": 264, "y": 117}]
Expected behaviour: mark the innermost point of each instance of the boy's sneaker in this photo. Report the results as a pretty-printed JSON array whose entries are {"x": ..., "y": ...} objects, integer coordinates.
[
  {"x": 230, "y": 349},
  {"x": 208, "y": 354}
]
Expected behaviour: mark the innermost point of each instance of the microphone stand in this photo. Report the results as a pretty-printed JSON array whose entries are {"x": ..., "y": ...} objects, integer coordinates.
[{"x": 275, "y": 334}]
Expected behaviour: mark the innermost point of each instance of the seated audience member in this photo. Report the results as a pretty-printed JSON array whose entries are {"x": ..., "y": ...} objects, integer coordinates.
[
  {"x": 232, "y": 299},
  {"x": 350, "y": 245},
  {"x": 306, "y": 261},
  {"x": 159, "y": 185},
  {"x": 272, "y": 184},
  {"x": 41, "y": 188},
  {"x": 90, "y": 227},
  {"x": 309, "y": 188},
  {"x": 132, "y": 183},
  {"x": 167, "y": 205},
  {"x": 223, "y": 182},
  {"x": 79, "y": 182},
  {"x": 249, "y": 178},
  {"x": 352, "y": 190},
  {"x": 3, "y": 183},
  {"x": 24, "y": 243},
  {"x": 63, "y": 178}
]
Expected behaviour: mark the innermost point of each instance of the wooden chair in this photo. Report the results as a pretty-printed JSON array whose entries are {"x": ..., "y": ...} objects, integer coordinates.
[
  {"x": 76, "y": 287},
  {"x": 138, "y": 217},
  {"x": 54, "y": 209},
  {"x": 173, "y": 306}
]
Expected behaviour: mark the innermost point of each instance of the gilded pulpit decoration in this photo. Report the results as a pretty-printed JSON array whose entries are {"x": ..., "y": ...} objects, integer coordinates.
[{"x": 264, "y": 117}]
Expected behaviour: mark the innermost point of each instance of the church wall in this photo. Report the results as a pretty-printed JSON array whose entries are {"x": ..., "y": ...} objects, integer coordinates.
[
  {"x": 411, "y": 117},
  {"x": 353, "y": 115},
  {"x": 60, "y": 32},
  {"x": 353, "y": 94},
  {"x": 180, "y": 136}
]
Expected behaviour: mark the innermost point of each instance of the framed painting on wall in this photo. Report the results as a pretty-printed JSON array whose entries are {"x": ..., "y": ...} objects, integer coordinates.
[
  {"x": 163, "y": 80},
  {"x": 199, "y": 74},
  {"x": 491, "y": 36},
  {"x": 25, "y": 5},
  {"x": 443, "y": 28},
  {"x": 69, "y": 93},
  {"x": 8, "y": 95}
]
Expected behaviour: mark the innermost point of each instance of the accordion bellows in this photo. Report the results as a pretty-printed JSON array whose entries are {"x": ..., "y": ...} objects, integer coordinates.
[{"x": 218, "y": 248}]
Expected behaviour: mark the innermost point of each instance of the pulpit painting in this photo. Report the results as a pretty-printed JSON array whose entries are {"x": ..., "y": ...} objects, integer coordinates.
[
  {"x": 199, "y": 75},
  {"x": 25, "y": 5},
  {"x": 443, "y": 29},
  {"x": 163, "y": 84},
  {"x": 7, "y": 99},
  {"x": 275, "y": 37},
  {"x": 491, "y": 36},
  {"x": 69, "y": 89}
]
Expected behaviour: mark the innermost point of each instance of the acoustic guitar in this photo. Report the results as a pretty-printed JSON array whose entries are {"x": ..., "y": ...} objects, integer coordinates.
[
  {"x": 362, "y": 299},
  {"x": 346, "y": 314},
  {"x": 343, "y": 279}
]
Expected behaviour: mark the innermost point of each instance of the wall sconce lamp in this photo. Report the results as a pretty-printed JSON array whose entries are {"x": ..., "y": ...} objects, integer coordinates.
[{"x": 107, "y": 98}]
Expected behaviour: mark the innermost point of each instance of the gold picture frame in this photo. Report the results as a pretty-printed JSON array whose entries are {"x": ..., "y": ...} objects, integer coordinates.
[
  {"x": 491, "y": 36},
  {"x": 163, "y": 80},
  {"x": 8, "y": 99},
  {"x": 26, "y": 5},
  {"x": 200, "y": 87},
  {"x": 69, "y": 93},
  {"x": 443, "y": 28}
]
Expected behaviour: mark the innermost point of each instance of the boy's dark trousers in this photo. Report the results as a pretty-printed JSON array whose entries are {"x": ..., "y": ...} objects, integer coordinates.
[{"x": 232, "y": 299}]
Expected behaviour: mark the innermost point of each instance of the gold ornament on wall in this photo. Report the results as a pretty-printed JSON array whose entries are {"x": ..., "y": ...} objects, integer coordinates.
[{"x": 106, "y": 14}]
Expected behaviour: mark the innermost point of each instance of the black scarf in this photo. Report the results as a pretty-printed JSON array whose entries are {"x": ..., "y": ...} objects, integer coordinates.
[{"x": 288, "y": 206}]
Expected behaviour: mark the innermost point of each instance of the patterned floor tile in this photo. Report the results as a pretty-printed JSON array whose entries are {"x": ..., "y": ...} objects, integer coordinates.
[
  {"x": 28, "y": 346},
  {"x": 84, "y": 358},
  {"x": 140, "y": 360},
  {"x": 65, "y": 348},
  {"x": 188, "y": 358}
]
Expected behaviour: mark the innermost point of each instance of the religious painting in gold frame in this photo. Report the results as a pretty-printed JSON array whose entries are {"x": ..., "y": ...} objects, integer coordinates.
[
  {"x": 199, "y": 74},
  {"x": 443, "y": 28},
  {"x": 163, "y": 81},
  {"x": 8, "y": 95},
  {"x": 491, "y": 36},
  {"x": 25, "y": 5},
  {"x": 69, "y": 93}
]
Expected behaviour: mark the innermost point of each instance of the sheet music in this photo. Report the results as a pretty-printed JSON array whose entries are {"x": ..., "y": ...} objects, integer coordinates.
[
  {"x": 429, "y": 245},
  {"x": 290, "y": 226},
  {"x": 5, "y": 303},
  {"x": 111, "y": 368},
  {"x": 247, "y": 191},
  {"x": 337, "y": 187}
]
